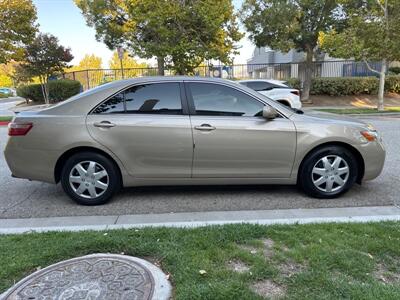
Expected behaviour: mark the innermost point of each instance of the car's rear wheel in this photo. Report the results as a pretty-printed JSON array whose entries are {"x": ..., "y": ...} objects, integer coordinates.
[
  {"x": 90, "y": 178},
  {"x": 328, "y": 172}
]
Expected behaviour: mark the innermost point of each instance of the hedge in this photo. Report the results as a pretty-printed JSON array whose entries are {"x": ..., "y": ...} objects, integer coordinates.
[
  {"x": 341, "y": 86},
  {"x": 394, "y": 70},
  {"x": 59, "y": 90}
]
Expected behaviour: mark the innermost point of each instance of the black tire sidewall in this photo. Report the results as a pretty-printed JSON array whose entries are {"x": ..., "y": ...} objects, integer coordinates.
[
  {"x": 305, "y": 179},
  {"x": 113, "y": 177}
]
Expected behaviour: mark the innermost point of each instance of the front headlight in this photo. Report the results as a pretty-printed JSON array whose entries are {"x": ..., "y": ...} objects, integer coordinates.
[{"x": 370, "y": 134}]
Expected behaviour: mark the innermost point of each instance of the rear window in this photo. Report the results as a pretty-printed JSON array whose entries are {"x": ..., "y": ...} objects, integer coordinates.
[
  {"x": 260, "y": 85},
  {"x": 152, "y": 98}
]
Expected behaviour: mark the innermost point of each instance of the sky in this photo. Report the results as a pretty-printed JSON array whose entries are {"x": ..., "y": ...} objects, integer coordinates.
[{"x": 63, "y": 19}]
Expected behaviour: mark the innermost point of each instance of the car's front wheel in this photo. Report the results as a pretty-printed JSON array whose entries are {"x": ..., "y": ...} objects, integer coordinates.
[
  {"x": 90, "y": 178},
  {"x": 328, "y": 172}
]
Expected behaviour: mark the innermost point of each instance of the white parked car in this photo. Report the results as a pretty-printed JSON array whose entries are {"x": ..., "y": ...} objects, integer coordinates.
[{"x": 276, "y": 90}]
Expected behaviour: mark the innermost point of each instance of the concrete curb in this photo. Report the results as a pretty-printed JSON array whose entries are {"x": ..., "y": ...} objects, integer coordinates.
[{"x": 199, "y": 219}]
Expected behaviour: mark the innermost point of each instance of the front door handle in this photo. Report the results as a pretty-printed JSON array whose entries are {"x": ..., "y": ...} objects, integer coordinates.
[
  {"x": 205, "y": 127},
  {"x": 104, "y": 124}
]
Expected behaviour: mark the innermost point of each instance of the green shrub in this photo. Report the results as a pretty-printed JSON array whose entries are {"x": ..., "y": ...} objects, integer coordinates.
[
  {"x": 392, "y": 84},
  {"x": 59, "y": 90},
  {"x": 3, "y": 95},
  {"x": 342, "y": 86},
  {"x": 32, "y": 92},
  {"x": 294, "y": 83},
  {"x": 394, "y": 70}
]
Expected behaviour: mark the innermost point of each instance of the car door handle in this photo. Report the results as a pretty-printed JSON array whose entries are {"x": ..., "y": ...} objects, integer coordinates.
[
  {"x": 104, "y": 124},
  {"x": 205, "y": 127}
]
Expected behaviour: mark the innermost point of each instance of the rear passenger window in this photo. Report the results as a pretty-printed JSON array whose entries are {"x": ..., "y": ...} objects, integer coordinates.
[{"x": 157, "y": 98}]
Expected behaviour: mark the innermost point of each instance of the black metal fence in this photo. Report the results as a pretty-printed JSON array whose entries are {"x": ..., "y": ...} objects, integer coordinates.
[{"x": 284, "y": 71}]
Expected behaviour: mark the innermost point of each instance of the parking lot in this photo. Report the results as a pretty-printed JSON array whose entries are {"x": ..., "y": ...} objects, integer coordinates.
[{"x": 23, "y": 199}]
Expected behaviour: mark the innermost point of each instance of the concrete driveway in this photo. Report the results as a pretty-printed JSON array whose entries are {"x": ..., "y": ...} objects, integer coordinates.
[{"x": 24, "y": 199}]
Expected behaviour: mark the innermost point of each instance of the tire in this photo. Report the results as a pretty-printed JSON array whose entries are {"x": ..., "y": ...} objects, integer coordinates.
[
  {"x": 316, "y": 181},
  {"x": 90, "y": 178}
]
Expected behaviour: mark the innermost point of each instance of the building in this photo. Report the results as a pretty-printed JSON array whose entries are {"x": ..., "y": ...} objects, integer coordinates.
[{"x": 268, "y": 63}]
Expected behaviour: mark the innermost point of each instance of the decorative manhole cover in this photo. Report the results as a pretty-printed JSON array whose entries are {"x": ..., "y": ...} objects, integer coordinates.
[{"x": 97, "y": 276}]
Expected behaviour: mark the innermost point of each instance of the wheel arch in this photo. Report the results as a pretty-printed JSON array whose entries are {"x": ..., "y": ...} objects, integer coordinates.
[
  {"x": 67, "y": 154},
  {"x": 353, "y": 150}
]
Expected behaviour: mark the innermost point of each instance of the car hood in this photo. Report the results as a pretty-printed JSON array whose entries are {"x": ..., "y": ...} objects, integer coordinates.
[{"x": 315, "y": 116}]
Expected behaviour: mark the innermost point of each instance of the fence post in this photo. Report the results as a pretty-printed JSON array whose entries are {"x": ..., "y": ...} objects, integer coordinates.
[
  {"x": 87, "y": 79},
  {"x": 73, "y": 75}
]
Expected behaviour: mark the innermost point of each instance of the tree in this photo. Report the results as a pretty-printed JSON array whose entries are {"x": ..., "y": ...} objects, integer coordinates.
[
  {"x": 373, "y": 34},
  {"x": 127, "y": 62},
  {"x": 44, "y": 57},
  {"x": 180, "y": 33},
  {"x": 17, "y": 28},
  {"x": 6, "y": 73},
  {"x": 90, "y": 61},
  {"x": 131, "y": 67},
  {"x": 292, "y": 24}
]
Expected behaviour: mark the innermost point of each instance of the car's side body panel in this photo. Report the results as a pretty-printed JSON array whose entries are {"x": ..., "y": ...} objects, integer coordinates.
[
  {"x": 148, "y": 145},
  {"x": 226, "y": 151}
]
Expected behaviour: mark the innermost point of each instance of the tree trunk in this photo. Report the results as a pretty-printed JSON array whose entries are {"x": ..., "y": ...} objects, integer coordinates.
[
  {"x": 45, "y": 92},
  {"x": 381, "y": 92},
  {"x": 160, "y": 65},
  {"x": 305, "y": 95}
]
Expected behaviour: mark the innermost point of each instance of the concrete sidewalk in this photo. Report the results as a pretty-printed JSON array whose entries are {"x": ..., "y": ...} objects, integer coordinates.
[{"x": 196, "y": 219}]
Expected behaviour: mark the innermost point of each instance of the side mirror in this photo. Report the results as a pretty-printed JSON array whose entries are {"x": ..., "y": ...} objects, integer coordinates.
[{"x": 269, "y": 112}]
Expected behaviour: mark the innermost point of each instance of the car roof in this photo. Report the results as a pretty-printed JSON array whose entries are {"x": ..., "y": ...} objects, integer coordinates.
[{"x": 164, "y": 78}]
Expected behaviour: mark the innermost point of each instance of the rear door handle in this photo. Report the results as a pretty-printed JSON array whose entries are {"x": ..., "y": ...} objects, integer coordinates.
[
  {"x": 205, "y": 127},
  {"x": 104, "y": 124}
]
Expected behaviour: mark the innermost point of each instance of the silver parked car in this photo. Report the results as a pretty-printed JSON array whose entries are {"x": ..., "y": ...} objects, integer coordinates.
[{"x": 187, "y": 131}]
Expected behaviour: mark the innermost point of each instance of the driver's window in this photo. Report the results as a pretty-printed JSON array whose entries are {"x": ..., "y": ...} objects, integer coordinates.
[{"x": 219, "y": 100}]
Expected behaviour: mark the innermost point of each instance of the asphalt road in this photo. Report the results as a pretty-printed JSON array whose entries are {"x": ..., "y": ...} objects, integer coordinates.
[
  {"x": 7, "y": 103},
  {"x": 24, "y": 199}
]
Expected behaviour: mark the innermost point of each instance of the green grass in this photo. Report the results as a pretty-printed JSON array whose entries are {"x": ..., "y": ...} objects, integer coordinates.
[
  {"x": 345, "y": 111},
  {"x": 5, "y": 118},
  {"x": 337, "y": 260}
]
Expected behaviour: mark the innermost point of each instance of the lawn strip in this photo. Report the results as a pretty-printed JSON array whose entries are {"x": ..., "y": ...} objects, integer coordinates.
[{"x": 329, "y": 261}]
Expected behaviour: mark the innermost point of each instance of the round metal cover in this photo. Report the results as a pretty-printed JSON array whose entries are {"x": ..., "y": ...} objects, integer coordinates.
[{"x": 97, "y": 276}]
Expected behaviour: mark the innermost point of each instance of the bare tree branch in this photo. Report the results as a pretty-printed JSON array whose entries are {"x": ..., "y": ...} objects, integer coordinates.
[
  {"x": 370, "y": 68},
  {"x": 380, "y": 4}
]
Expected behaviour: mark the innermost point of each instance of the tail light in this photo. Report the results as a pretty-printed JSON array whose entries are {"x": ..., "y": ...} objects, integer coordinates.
[
  {"x": 16, "y": 129},
  {"x": 297, "y": 93}
]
